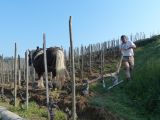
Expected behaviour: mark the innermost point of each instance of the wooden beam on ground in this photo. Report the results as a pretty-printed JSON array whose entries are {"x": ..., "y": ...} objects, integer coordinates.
[{"x": 114, "y": 74}]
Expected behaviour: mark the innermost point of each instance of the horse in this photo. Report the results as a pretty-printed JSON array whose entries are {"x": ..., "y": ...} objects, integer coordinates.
[{"x": 55, "y": 64}]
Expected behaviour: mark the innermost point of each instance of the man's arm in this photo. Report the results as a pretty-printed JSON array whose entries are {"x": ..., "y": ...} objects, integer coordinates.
[
  {"x": 120, "y": 48},
  {"x": 132, "y": 46}
]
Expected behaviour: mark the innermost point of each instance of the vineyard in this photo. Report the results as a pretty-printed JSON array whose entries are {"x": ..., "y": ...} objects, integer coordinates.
[{"x": 97, "y": 67}]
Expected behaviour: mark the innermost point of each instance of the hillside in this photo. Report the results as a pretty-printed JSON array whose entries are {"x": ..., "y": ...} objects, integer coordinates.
[{"x": 140, "y": 98}]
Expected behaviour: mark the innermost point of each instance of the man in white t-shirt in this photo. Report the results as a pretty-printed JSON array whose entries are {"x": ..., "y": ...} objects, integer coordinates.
[{"x": 128, "y": 55}]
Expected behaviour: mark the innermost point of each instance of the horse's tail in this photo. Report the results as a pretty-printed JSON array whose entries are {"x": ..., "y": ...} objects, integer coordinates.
[{"x": 60, "y": 68}]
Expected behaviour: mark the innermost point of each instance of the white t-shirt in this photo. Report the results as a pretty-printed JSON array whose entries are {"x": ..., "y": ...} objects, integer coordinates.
[{"x": 128, "y": 52}]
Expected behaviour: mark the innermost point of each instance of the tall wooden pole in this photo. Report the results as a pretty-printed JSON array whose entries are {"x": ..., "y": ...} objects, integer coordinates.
[
  {"x": 0, "y": 70},
  {"x": 19, "y": 71},
  {"x": 34, "y": 75},
  {"x": 102, "y": 64},
  {"x": 8, "y": 76},
  {"x": 70, "y": 62},
  {"x": 73, "y": 71},
  {"x": 82, "y": 64},
  {"x": 46, "y": 71},
  {"x": 78, "y": 58},
  {"x": 90, "y": 58},
  {"x": 24, "y": 72},
  {"x": 15, "y": 74},
  {"x": 27, "y": 78},
  {"x": 2, "y": 76}
]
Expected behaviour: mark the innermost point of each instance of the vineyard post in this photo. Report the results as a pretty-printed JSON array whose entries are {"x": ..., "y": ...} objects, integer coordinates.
[
  {"x": 12, "y": 69},
  {"x": 117, "y": 47},
  {"x": 7, "y": 72},
  {"x": 82, "y": 62},
  {"x": 78, "y": 58},
  {"x": 70, "y": 71},
  {"x": 73, "y": 71},
  {"x": 8, "y": 76},
  {"x": 46, "y": 72},
  {"x": 108, "y": 48},
  {"x": 0, "y": 70},
  {"x": 112, "y": 48},
  {"x": 19, "y": 71},
  {"x": 10, "y": 72},
  {"x": 102, "y": 52},
  {"x": 84, "y": 58},
  {"x": 90, "y": 58},
  {"x": 144, "y": 36},
  {"x": 15, "y": 74},
  {"x": 2, "y": 76},
  {"x": 27, "y": 77},
  {"x": 102, "y": 65},
  {"x": 24, "y": 71}
]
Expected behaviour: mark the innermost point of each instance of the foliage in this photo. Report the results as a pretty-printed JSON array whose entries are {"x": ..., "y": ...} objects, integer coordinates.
[{"x": 59, "y": 115}]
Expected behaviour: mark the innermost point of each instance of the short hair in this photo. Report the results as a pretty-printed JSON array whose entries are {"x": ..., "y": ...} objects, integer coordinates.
[{"x": 123, "y": 36}]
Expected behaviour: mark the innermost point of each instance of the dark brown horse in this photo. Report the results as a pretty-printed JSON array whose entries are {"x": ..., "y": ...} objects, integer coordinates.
[{"x": 55, "y": 64}]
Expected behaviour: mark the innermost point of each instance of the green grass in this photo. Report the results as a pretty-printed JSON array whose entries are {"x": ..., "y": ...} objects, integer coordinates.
[
  {"x": 115, "y": 101},
  {"x": 140, "y": 98},
  {"x": 34, "y": 112}
]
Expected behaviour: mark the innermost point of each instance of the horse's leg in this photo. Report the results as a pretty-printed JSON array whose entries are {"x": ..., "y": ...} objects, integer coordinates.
[
  {"x": 60, "y": 68},
  {"x": 67, "y": 74},
  {"x": 40, "y": 81},
  {"x": 51, "y": 76},
  {"x": 50, "y": 82},
  {"x": 57, "y": 81},
  {"x": 54, "y": 80}
]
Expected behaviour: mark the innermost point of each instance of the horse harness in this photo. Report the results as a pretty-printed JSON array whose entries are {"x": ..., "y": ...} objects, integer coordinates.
[{"x": 40, "y": 52}]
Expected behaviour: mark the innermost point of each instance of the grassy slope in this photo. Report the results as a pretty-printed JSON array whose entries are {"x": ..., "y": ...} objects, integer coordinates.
[{"x": 140, "y": 98}]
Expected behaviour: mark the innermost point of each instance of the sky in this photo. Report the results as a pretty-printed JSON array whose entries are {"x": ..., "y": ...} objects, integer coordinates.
[{"x": 25, "y": 21}]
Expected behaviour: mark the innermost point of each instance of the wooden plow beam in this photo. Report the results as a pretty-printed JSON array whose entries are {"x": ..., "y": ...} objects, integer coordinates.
[{"x": 114, "y": 75}]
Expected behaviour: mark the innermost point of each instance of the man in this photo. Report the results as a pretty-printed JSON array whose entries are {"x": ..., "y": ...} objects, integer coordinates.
[{"x": 128, "y": 55}]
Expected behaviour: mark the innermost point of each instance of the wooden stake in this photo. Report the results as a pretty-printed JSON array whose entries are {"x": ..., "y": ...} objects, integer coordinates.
[
  {"x": 90, "y": 58},
  {"x": 19, "y": 71},
  {"x": 73, "y": 71},
  {"x": 27, "y": 78},
  {"x": 82, "y": 62},
  {"x": 2, "y": 77},
  {"x": 46, "y": 72},
  {"x": 15, "y": 74}
]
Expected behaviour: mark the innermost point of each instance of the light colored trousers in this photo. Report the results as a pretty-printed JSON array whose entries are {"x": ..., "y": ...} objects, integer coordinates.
[{"x": 128, "y": 63}]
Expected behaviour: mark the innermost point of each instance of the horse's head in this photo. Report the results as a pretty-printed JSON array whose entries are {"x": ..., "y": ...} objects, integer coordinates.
[{"x": 33, "y": 54}]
